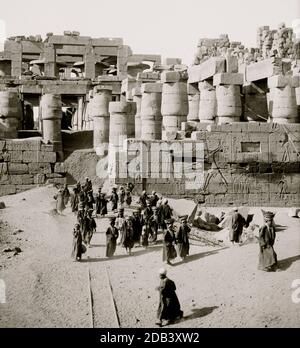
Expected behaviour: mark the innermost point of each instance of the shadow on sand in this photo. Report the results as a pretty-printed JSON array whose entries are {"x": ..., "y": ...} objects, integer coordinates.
[
  {"x": 286, "y": 263},
  {"x": 198, "y": 256},
  {"x": 199, "y": 313}
]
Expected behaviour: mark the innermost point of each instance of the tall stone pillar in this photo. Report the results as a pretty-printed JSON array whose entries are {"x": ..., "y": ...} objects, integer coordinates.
[
  {"x": 194, "y": 101},
  {"x": 151, "y": 118},
  {"x": 51, "y": 110},
  {"x": 10, "y": 113},
  {"x": 98, "y": 110},
  {"x": 228, "y": 94},
  {"x": 282, "y": 99},
  {"x": 80, "y": 113},
  {"x": 207, "y": 103},
  {"x": 137, "y": 98},
  {"x": 174, "y": 104}
]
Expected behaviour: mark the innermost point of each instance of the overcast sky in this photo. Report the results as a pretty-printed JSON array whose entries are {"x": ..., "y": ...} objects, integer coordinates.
[{"x": 167, "y": 27}]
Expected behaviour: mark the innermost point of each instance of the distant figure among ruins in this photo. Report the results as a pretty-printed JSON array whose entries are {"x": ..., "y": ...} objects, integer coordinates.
[{"x": 236, "y": 224}]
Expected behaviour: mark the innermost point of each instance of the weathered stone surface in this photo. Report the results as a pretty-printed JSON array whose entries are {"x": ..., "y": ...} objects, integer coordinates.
[
  {"x": 15, "y": 156},
  {"x": 59, "y": 167},
  {"x": 151, "y": 87},
  {"x": 39, "y": 156},
  {"x": 39, "y": 168},
  {"x": 24, "y": 179},
  {"x": 7, "y": 190},
  {"x": 281, "y": 81},
  {"x": 17, "y": 168},
  {"x": 261, "y": 70},
  {"x": 58, "y": 181},
  {"x": 39, "y": 179},
  {"x": 228, "y": 79},
  {"x": 207, "y": 69},
  {"x": 170, "y": 76},
  {"x": 32, "y": 144}
]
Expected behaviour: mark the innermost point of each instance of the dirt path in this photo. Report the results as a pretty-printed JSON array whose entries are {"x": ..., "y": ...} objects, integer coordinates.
[{"x": 217, "y": 287}]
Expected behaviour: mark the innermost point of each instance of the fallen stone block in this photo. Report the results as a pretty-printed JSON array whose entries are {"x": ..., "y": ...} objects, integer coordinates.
[
  {"x": 32, "y": 144},
  {"x": 57, "y": 181},
  {"x": 262, "y": 70},
  {"x": 281, "y": 81}
]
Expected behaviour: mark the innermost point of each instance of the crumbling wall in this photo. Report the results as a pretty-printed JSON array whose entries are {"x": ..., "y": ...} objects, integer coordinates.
[{"x": 27, "y": 163}]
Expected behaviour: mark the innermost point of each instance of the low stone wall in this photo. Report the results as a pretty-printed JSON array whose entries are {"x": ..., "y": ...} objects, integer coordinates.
[{"x": 27, "y": 163}]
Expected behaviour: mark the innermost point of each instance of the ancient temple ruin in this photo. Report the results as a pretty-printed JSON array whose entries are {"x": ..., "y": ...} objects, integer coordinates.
[{"x": 223, "y": 131}]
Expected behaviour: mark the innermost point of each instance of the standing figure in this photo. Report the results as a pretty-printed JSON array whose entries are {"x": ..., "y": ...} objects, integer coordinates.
[
  {"x": 267, "y": 255},
  {"x": 114, "y": 199},
  {"x": 143, "y": 200},
  {"x": 66, "y": 195},
  {"x": 169, "y": 306},
  {"x": 182, "y": 237},
  {"x": 236, "y": 224},
  {"x": 121, "y": 196},
  {"x": 148, "y": 212},
  {"x": 128, "y": 241},
  {"x": 89, "y": 227},
  {"x": 154, "y": 223},
  {"x": 137, "y": 225},
  {"x": 90, "y": 200},
  {"x": 111, "y": 238},
  {"x": 166, "y": 213},
  {"x": 103, "y": 203},
  {"x": 145, "y": 236},
  {"x": 128, "y": 197},
  {"x": 154, "y": 199},
  {"x": 169, "y": 251},
  {"x": 74, "y": 200},
  {"x": 60, "y": 206},
  {"x": 78, "y": 249},
  {"x": 121, "y": 224},
  {"x": 87, "y": 185}
]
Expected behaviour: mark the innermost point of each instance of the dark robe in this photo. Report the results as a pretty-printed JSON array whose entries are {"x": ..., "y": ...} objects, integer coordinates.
[
  {"x": 101, "y": 204},
  {"x": 236, "y": 227},
  {"x": 128, "y": 198},
  {"x": 89, "y": 228},
  {"x": 66, "y": 195},
  {"x": 166, "y": 214},
  {"x": 169, "y": 306},
  {"x": 77, "y": 248},
  {"x": 182, "y": 240},
  {"x": 143, "y": 201},
  {"x": 74, "y": 201},
  {"x": 111, "y": 240},
  {"x": 128, "y": 241},
  {"x": 90, "y": 201},
  {"x": 169, "y": 251},
  {"x": 147, "y": 213},
  {"x": 154, "y": 227},
  {"x": 267, "y": 255},
  {"x": 114, "y": 200},
  {"x": 145, "y": 236},
  {"x": 154, "y": 200},
  {"x": 137, "y": 226}
]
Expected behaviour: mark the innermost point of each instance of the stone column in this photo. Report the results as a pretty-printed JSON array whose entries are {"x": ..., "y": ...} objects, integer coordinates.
[
  {"x": 98, "y": 110},
  {"x": 194, "y": 101},
  {"x": 10, "y": 113},
  {"x": 174, "y": 104},
  {"x": 282, "y": 99},
  {"x": 137, "y": 98},
  {"x": 228, "y": 94},
  {"x": 80, "y": 113},
  {"x": 207, "y": 103},
  {"x": 51, "y": 110},
  {"x": 151, "y": 118}
]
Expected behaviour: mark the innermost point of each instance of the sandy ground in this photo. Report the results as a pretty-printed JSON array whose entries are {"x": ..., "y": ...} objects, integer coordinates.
[{"x": 217, "y": 286}]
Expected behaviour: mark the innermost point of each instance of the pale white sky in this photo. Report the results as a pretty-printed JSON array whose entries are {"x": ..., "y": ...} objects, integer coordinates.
[{"x": 167, "y": 27}]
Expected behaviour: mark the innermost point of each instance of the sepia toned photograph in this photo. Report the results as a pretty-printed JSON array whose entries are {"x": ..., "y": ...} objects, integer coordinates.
[{"x": 150, "y": 166}]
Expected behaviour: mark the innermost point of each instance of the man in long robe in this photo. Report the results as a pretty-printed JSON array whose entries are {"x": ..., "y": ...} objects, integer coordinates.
[
  {"x": 114, "y": 199},
  {"x": 111, "y": 238},
  {"x": 236, "y": 224},
  {"x": 77, "y": 249},
  {"x": 121, "y": 225},
  {"x": 166, "y": 212},
  {"x": 169, "y": 306},
  {"x": 128, "y": 241},
  {"x": 169, "y": 251},
  {"x": 182, "y": 237},
  {"x": 89, "y": 227},
  {"x": 137, "y": 225},
  {"x": 267, "y": 255}
]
